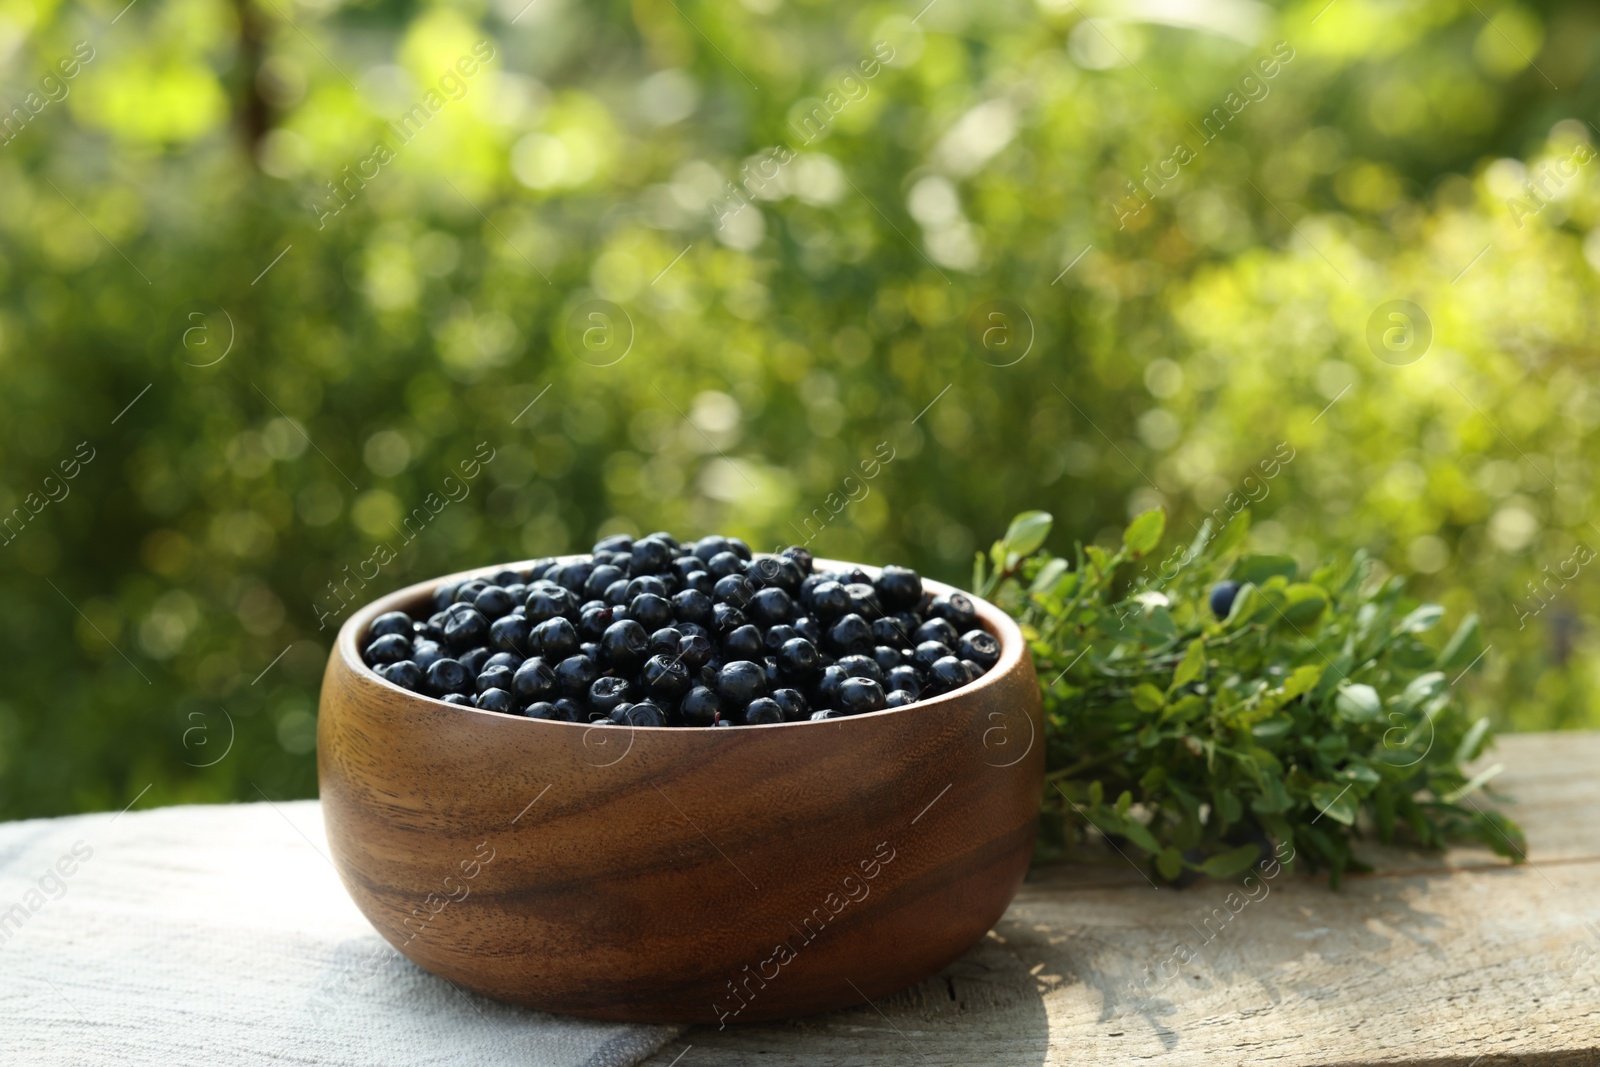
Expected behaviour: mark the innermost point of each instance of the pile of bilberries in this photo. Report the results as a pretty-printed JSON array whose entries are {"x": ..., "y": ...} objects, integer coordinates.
[{"x": 651, "y": 632}]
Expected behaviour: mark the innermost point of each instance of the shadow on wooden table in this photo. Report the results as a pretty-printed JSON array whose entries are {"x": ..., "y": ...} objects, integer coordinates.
[
  {"x": 984, "y": 1008},
  {"x": 1439, "y": 958},
  {"x": 1158, "y": 969}
]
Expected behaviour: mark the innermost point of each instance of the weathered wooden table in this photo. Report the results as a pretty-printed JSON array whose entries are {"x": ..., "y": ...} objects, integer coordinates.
[{"x": 1451, "y": 959}]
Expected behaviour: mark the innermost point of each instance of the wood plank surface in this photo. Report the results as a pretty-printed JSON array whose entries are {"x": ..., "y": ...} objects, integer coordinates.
[{"x": 1451, "y": 959}]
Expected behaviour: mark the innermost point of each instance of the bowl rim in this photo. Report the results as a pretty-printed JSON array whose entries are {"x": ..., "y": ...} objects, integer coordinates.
[{"x": 1002, "y": 625}]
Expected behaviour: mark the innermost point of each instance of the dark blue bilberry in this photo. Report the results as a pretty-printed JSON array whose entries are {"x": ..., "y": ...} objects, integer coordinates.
[
  {"x": 1222, "y": 597},
  {"x": 858, "y": 666},
  {"x": 743, "y": 643},
  {"x": 700, "y": 706},
  {"x": 725, "y": 618},
  {"x": 392, "y": 622},
  {"x": 763, "y": 711},
  {"x": 391, "y": 648},
  {"x": 495, "y": 678},
  {"x": 769, "y": 607},
  {"x": 799, "y": 658},
  {"x": 650, "y": 611},
  {"x": 904, "y": 677},
  {"x": 793, "y": 704},
  {"x": 575, "y": 674},
  {"x": 405, "y": 674},
  {"x": 665, "y": 678},
  {"x": 625, "y": 645},
  {"x": 939, "y": 630},
  {"x": 829, "y": 600},
  {"x": 948, "y": 673},
  {"x": 494, "y": 602},
  {"x": 956, "y": 609},
  {"x": 695, "y": 650},
  {"x": 509, "y": 634},
  {"x": 664, "y": 642},
  {"x": 740, "y": 682},
  {"x": 545, "y": 603},
  {"x": 607, "y": 692},
  {"x": 899, "y": 588},
  {"x": 495, "y": 700},
  {"x": 535, "y": 680},
  {"x": 503, "y": 659},
  {"x": 849, "y": 634},
  {"x": 555, "y": 638},
  {"x": 864, "y": 600},
  {"x": 980, "y": 647},
  {"x": 691, "y": 605},
  {"x": 474, "y": 659},
  {"x": 860, "y": 695},
  {"x": 449, "y": 676}
]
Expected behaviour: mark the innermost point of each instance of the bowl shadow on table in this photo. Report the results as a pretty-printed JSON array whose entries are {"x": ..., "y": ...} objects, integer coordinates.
[
  {"x": 373, "y": 1000},
  {"x": 1102, "y": 926},
  {"x": 983, "y": 1008}
]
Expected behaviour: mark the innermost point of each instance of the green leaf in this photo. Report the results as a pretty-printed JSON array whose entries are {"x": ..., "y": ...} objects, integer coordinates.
[
  {"x": 1192, "y": 666},
  {"x": 1045, "y": 581},
  {"x": 1468, "y": 749},
  {"x": 1359, "y": 703},
  {"x": 1501, "y": 834},
  {"x": 1273, "y": 799},
  {"x": 1273, "y": 728},
  {"x": 1231, "y": 536},
  {"x": 1191, "y": 803},
  {"x": 1337, "y": 802},
  {"x": 1147, "y": 697},
  {"x": 1421, "y": 688},
  {"x": 1316, "y": 842},
  {"x": 1421, "y": 620},
  {"x": 1464, "y": 645},
  {"x": 1479, "y": 780},
  {"x": 1257, "y": 569},
  {"x": 1027, "y": 532},
  {"x": 1361, "y": 773},
  {"x": 1144, "y": 533},
  {"x": 1336, "y": 673},
  {"x": 1306, "y": 604},
  {"x": 1232, "y": 863},
  {"x": 1187, "y": 707},
  {"x": 1411, "y": 654},
  {"x": 1302, "y": 680},
  {"x": 1246, "y": 602},
  {"x": 1169, "y": 861},
  {"x": 1158, "y": 620},
  {"x": 1139, "y": 834},
  {"x": 1228, "y": 806}
]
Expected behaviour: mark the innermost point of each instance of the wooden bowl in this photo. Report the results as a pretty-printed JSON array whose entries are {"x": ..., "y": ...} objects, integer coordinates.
[{"x": 676, "y": 874}]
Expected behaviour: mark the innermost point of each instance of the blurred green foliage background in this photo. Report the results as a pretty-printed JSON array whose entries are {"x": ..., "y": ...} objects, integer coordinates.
[{"x": 302, "y": 377}]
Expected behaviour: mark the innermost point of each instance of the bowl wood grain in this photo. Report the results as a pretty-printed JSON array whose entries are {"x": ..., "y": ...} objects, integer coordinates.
[{"x": 675, "y": 874}]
